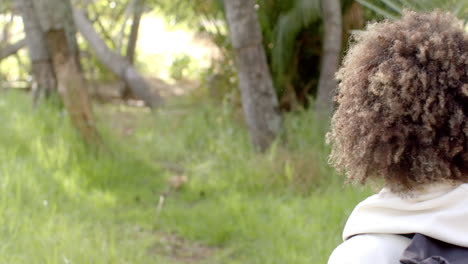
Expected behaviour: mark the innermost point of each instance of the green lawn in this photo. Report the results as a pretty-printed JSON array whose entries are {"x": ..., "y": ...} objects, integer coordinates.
[{"x": 62, "y": 202}]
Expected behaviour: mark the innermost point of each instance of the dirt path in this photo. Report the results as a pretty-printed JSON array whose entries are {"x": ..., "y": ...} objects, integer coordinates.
[{"x": 180, "y": 250}]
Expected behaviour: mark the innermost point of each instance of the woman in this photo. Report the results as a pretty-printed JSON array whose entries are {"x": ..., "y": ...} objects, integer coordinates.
[{"x": 402, "y": 120}]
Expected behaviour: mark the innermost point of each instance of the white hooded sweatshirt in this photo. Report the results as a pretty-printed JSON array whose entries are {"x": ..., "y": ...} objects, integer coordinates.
[{"x": 440, "y": 212}]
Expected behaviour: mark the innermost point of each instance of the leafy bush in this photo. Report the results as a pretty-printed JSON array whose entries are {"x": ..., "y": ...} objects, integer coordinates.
[{"x": 180, "y": 66}]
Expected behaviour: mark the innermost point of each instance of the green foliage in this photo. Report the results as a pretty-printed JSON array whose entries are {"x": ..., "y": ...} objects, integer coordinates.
[
  {"x": 289, "y": 24},
  {"x": 180, "y": 66},
  {"x": 5, "y": 6},
  {"x": 281, "y": 23},
  {"x": 190, "y": 12},
  {"x": 112, "y": 20},
  {"x": 65, "y": 204},
  {"x": 393, "y": 8},
  {"x": 292, "y": 33}
]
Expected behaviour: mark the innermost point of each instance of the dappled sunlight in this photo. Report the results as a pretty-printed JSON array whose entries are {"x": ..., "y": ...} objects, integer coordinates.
[
  {"x": 51, "y": 155},
  {"x": 16, "y": 26},
  {"x": 160, "y": 45},
  {"x": 12, "y": 73}
]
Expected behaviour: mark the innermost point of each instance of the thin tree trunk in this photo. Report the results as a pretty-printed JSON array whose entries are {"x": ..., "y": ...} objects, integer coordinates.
[
  {"x": 138, "y": 8},
  {"x": 126, "y": 17},
  {"x": 42, "y": 67},
  {"x": 331, "y": 13},
  {"x": 259, "y": 99},
  {"x": 11, "y": 49},
  {"x": 55, "y": 17},
  {"x": 116, "y": 63}
]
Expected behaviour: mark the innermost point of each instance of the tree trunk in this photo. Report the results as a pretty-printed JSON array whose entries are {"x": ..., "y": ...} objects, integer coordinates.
[
  {"x": 116, "y": 63},
  {"x": 138, "y": 8},
  {"x": 42, "y": 67},
  {"x": 11, "y": 49},
  {"x": 331, "y": 13},
  {"x": 352, "y": 19},
  {"x": 56, "y": 21},
  {"x": 121, "y": 36},
  {"x": 72, "y": 85},
  {"x": 259, "y": 99}
]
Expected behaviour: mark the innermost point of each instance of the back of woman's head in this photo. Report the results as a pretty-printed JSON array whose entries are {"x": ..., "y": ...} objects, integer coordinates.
[{"x": 402, "y": 103}]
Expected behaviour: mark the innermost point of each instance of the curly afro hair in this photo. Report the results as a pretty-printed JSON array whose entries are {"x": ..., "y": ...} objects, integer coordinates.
[{"x": 402, "y": 103}]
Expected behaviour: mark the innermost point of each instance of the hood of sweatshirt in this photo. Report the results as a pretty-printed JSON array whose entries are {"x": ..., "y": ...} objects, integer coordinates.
[{"x": 440, "y": 212}]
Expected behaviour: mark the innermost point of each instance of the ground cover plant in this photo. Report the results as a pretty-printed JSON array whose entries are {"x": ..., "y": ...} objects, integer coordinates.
[{"x": 65, "y": 203}]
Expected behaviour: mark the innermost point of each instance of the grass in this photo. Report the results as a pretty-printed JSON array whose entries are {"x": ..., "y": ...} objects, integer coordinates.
[{"x": 63, "y": 203}]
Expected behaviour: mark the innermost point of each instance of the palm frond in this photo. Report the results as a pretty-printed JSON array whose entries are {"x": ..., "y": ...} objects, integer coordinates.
[
  {"x": 408, "y": 4},
  {"x": 385, "y": 7},
  {"x": 394, "y": 6},
  {"x": 377, "y": 9},
  {"x": 458, "y": 9},
  {"x": 301, "y": 15}
]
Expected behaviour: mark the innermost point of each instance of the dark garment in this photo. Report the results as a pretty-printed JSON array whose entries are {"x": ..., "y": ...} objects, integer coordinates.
[{"x": 426, "y": 250}]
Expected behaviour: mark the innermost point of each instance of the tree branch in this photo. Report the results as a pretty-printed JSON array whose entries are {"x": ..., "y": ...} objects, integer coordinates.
[
  {"x": 116, "y": 63},
  {"x": 11, "y": 49}
]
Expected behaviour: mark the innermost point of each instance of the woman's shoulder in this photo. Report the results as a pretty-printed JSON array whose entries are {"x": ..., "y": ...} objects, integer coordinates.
[{"x": 441, "y": 206}]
